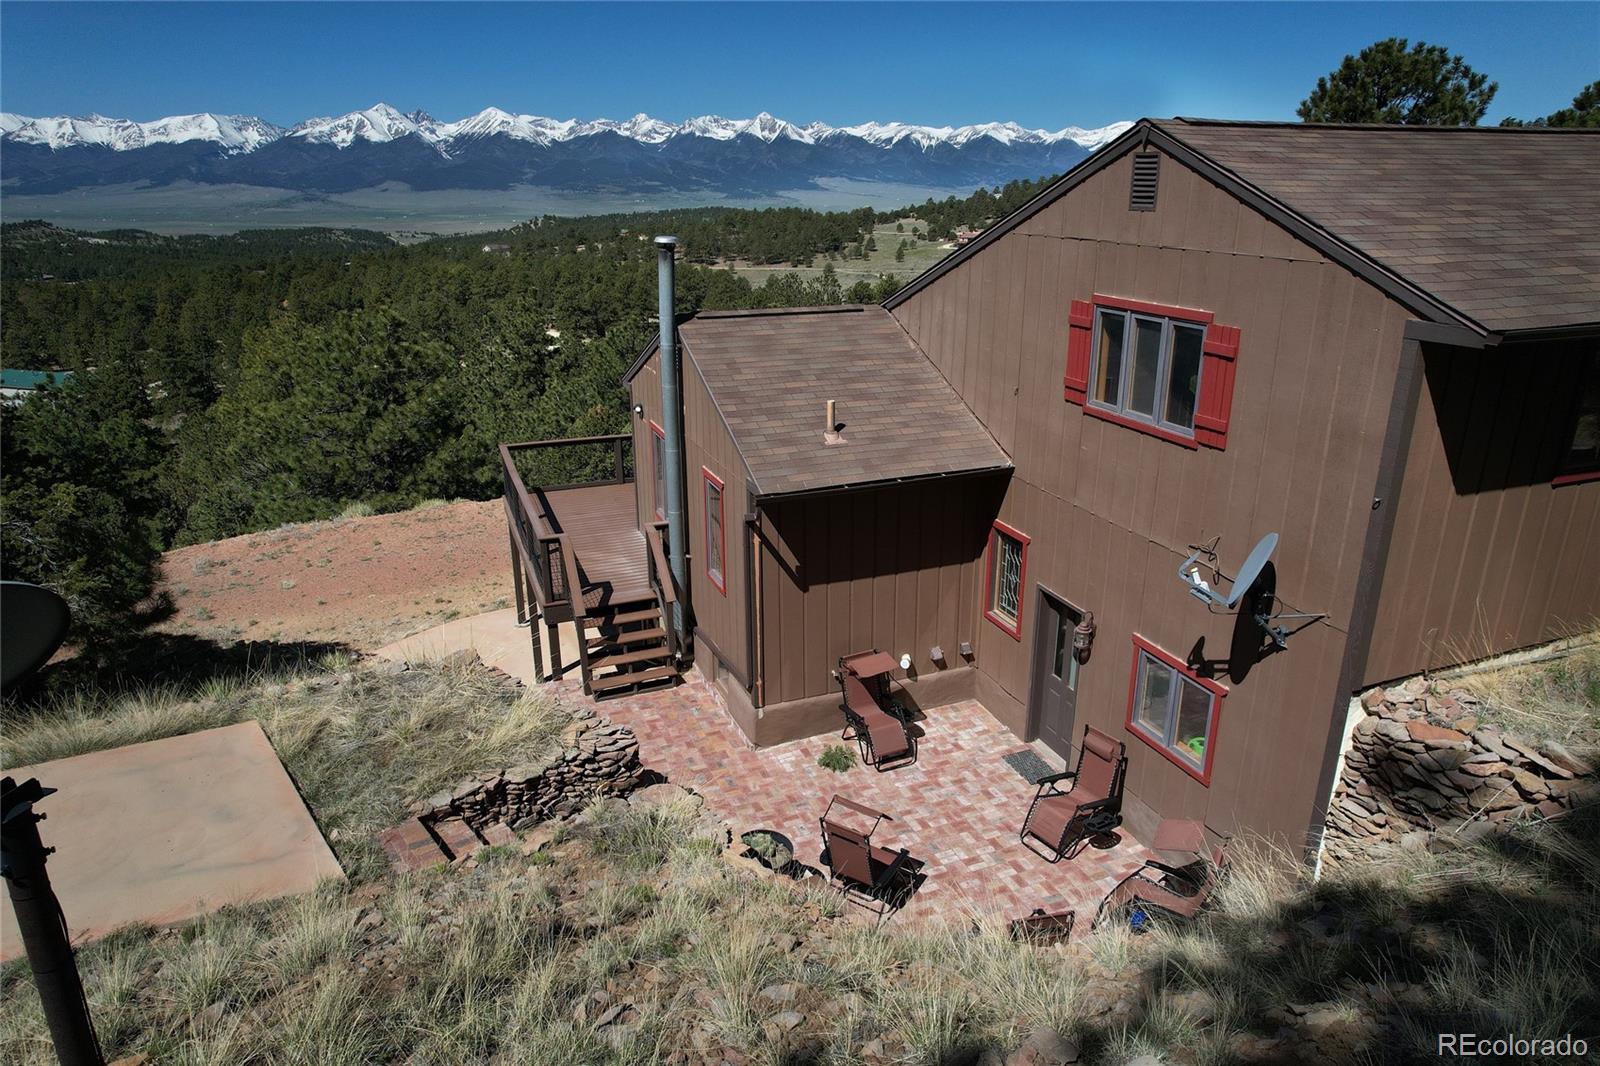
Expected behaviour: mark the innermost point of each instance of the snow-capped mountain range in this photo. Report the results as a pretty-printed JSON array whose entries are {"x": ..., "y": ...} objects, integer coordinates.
[
  {"x": 382, "y": 123},
  {"x": 495, "y": 147}
]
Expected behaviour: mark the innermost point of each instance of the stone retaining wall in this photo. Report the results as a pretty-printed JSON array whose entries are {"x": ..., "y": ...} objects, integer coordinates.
[
  {"x": 597, "y": 757},
  {"x": 1423, "y": 771}
]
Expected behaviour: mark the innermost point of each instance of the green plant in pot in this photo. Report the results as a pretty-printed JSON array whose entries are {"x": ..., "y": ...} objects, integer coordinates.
[{"x": 773, "y": 851}]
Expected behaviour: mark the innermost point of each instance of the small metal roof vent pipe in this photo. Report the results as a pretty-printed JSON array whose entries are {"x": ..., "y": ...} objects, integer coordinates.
[
  {"x": 832, "y": 430},
  {"x": 672, "y": 430}
]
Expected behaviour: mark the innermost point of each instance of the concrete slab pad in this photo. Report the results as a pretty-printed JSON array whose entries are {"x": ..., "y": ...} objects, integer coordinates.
[{"x": 171, "y": 829}]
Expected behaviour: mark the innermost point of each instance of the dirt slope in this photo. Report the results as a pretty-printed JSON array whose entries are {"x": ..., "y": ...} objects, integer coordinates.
[{"x": 357, "y": 581}]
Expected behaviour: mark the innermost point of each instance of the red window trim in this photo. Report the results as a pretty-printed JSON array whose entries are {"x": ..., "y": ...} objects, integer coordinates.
[
  {"x": 658, "y": 438},
  {"x": 1220, "y": 349},
  {"x": 1186, "y": 314},
  {"x": 1218, "y": 694},
  {"x": 1012, "y": 631},
  {"x": 719, "y": 580},
  {"x": 1143, "y": 427},
  {"x": 1575, "y": 479}
]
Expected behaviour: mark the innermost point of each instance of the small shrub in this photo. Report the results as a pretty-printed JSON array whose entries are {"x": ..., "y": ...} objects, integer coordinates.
[
  {"x": 763, "y": 844},
  {"x": 359, "y": 509},
  {"x": 837, "y": 757},
  {"x": 772, "y": 850}
]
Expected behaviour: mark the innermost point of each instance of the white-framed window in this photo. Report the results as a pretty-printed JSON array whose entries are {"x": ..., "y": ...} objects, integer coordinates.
[
  {"x": 1174, "y": 710},
  {"x": 1007, "y": 568},
  {"x": 1147, "y": 368}
]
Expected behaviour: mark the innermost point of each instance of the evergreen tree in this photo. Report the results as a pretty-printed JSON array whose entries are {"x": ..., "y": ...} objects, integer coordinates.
[
  {"x": 1389, "y": 82},
  {"x": 900, "y": 251},
  {"x": 829, "y": 290},
  {"x": 1583, "y": 114},
  {"x": 80, "y": 507}
]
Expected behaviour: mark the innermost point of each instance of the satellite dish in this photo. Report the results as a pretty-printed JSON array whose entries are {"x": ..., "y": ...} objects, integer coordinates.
[
  {"x": 1203, "y": 591},
  {"x": 33, "y": 623},
  {"x": 1253, "y": 594},
  {"x": 1254, "y": 563}
]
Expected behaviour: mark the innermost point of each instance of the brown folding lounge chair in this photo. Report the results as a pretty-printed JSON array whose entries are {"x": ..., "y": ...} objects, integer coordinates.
[
  {"x": 1044, "y": 927},
  {"x": 1061, "y": 821},
  {"x": 870, "y": 876},
  {"x": 1175, "y": 892},
  {"x": 880, "y": 732}
]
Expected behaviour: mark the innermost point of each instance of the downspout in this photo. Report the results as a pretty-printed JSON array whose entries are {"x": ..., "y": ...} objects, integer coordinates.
[{"x": 672, "y": 430}]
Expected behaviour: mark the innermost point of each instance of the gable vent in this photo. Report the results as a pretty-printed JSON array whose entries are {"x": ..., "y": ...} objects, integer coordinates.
[{"x": 1142, "y": 193}]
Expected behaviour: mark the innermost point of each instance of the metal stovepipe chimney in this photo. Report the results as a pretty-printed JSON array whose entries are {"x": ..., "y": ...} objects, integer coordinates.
[{"x": 672, "y": 429}]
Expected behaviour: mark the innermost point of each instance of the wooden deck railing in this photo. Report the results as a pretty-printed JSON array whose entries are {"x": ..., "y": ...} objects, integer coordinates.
[
  {"x": 546, "y": 554},
  {"x": 661, "y": 581}
]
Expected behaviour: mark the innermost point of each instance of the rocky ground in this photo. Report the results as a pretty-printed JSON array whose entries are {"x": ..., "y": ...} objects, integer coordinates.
[{"x": 1425, "y": 770}]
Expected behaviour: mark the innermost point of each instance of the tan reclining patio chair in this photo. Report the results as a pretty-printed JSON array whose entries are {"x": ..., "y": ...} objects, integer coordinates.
[
  {"x": 1176, "y": 892},
  {"x": 872, "y": 877},
  {"x": 874, "y": 721},
  {"x": 1061, "y": 821}
]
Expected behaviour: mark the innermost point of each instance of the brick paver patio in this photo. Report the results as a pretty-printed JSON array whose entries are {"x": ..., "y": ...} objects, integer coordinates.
[{"x": 958, "y": 808}]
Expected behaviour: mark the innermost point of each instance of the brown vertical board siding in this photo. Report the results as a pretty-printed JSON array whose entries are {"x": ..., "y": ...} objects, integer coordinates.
[
  {"x": 1361, "y": 442},
  {"x": 879, "y": 567},
  {"x": 1319, "y": 519},
  {"x": 709, "y": 446},
  {"x": 1111, "y": 511},
  {"x": 646, "y": 390},
  {"x": 1488, "y": 555},
  {"x": 840, "y": 562}
]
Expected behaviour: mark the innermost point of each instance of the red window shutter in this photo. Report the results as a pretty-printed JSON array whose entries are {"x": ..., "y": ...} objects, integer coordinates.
[
  {"x": 1216, "y": 385},
  {"x": 1080, "y": 327}
]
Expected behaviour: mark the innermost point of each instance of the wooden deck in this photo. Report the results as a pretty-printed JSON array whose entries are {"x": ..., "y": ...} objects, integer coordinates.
[{"x": 613, "y": 556}]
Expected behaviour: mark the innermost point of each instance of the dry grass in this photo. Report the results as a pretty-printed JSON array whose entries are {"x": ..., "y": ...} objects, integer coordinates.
[
  {"x": 357, "y": 743},
  {"x": 1497, "y": 934},
  {"x": 1557, "y": 699},
  {"x": 490, "y": 965}
]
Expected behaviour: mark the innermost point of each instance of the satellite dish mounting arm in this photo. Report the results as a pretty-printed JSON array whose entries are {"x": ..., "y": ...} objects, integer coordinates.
[{"x": 1251, "y": 591}]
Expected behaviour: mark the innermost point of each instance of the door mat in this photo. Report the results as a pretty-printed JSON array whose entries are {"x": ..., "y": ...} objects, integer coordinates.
[{"x": 1028, "y": 764}]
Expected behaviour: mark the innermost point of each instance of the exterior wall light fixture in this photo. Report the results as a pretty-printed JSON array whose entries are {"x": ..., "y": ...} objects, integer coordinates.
[{"x": 1083, "y": 637}]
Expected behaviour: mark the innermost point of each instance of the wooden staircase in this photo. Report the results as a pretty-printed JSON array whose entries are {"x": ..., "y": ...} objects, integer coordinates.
[{"x": 625, "y": 648}]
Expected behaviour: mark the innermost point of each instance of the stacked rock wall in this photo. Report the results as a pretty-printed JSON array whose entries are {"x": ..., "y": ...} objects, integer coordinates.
[
  {"x": 1422, "y": 769},
  {"x": 597, "y": 758}
]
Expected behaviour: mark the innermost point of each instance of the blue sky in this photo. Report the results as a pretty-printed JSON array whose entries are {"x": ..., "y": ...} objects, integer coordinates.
[{"x": 1038, "y": 64}]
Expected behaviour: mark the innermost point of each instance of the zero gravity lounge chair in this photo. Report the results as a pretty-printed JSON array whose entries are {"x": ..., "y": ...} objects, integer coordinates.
[
  {"x": 1172, "y": 891},
  {"x": 1061, "y": 821},
  {"x": 873, "y": 877},
  {"x": 874, "y": 721}
]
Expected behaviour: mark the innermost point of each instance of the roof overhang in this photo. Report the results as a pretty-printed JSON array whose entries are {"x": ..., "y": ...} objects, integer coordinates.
[
  {"x": 1144, "y": 132},
  {"x": 882, "y": 483},
  {"x": 1457, "y": 337}
]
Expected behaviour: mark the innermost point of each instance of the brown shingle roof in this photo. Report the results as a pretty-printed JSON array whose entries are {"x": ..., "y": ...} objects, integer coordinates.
[
  {"x": 1503, "y": 225},
  {"x": 771, "y": 374}
]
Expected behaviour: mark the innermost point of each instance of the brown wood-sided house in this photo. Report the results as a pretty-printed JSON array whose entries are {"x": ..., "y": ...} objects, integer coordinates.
[{"x": 1379, "y": 343}]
